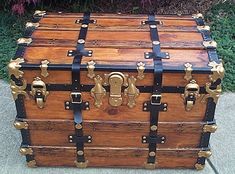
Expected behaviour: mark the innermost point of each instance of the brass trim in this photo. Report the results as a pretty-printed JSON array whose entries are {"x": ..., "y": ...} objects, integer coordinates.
[
  {"x": 44, "y": 66},
  {"x": 140, "y": 69},
  {"x": 188, "y": 71},
  {"x": 26, "y": 151},
  {"x": 217, "y": 70},
  {"x": 39, "y": 13},
  {"x": 20, "y": 125},
  {"x": 149, "y": 166},
  {"x": 98, "y": 92},
  {"x": 212, "y": 93},
  {"x": 26, "y": 41},
  {"x": 131, "y": 92},
  {"x": 209, "y": 44},
  {"x": 31, "y": 24},
  {"x": 199, "y": 166},
  {"x": 90, "y": 69},
  {"x": 14, "y": 68},
  {"x": 38, "y": 86},
  {"x": 204, "y": 153},
  {"x": 203, "y": 28},
  {"x": 81, "y": 164},
  {"x": 32, "y": 164},
  {"x": 191, "y": 89},
  {"x": 18, "y": 90},
  {"x": 198, "y": 15},
  {"x": 116, "y": 80},
  {"x": 210, "y": 128}
]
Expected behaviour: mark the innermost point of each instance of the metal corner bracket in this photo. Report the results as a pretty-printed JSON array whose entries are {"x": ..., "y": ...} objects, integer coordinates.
[
  {"x": 20, "y": 125},
  {"x": 14, "y": 68},
  {"x": 32, "y": 164},
  {"x": 81, "y": 164},
  {"x": 204, "y": 153},
  {"x": 18, "y": 90},
  {"x": 26, "y": 151},
  {"x": 31, "y": 25},
  {"x": 199, "y": 166}
]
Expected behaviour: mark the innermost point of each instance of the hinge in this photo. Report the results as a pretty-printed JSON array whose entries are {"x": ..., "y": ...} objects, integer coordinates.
[
  {"x": 32, "y": 164},
  {"x": 39, "y": 92},
  {"x": 18, "y": 90},
  {"x": 24, "y": 41},
  {"x": 26, "y": 151},
  {"x": 44, "y": 66},
  {"x": 211, "y": 128},
  {"x": 209, "y": 44},
  {"x": 14, "y": 68},
  {"x": 32, "y": 25},
  {"x": 204, "y": 153},
  {"x": 20, "y": 125}
]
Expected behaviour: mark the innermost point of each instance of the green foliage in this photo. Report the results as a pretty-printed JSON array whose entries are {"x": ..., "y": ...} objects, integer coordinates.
[{"x": 221, "y": 19}]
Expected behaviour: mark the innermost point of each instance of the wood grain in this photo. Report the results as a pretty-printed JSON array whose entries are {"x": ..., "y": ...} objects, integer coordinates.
[
  {"x": 54, "y": 109},
  {"x": 114, "y": 157}
]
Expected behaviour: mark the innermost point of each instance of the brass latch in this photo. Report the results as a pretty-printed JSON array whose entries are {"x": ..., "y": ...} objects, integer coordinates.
[
  {"x": 39, "y": 92},
  {"x": 191, "y": 93},
  {"x": 115, "y": 80}
]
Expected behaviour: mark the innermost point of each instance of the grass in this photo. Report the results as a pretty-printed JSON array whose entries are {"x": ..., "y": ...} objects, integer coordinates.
[{"x": 221, "y": 18}]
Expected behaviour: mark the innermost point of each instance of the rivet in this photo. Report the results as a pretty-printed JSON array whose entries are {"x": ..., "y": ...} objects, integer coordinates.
[
  {"x": 167, "y": 57},
  {"x": 70, "y": 51},
  {"x": 144, "y": 141},
  {"x": 84, "y": 25},
  {"x": 153, "y": 26},
  {"x": 78, "y": 126},
  {"x": 163, "y": 138},
  {"x": 87, "y": 108},
  {"x": 81, "y": 41},
  {"x": 152, "y": 153},
  {"x": 67, "y": 107},
  {"x": 165, "y": 109},
  {"x": 162, "y": 142},
  {"x": 89, "y": 141},
  {"x": 69, "y": 54},
  {"x": 59, "y": 12},
  {"x": 90, "y": 51},
  {"x": 156, "y": 42},
  {"x": 145, "y": 109},
  {"x": 94, "y": 21},
  {"x": 70, "y": 136},
  {"x": 70, "y": 141},
  {"x": 144, "y": 138},
  {"x": 67, "y": 103},
  {"x": 145, "y": 104},
  {"x": 153, "y": 128},
  {"x": 146, "y": 56},
  {"x": 165, "y": 105},
  {"x": 89, "y": 137},
  {"x": 80, "y": 152},
  {"x": 86, "y": 103},
  {"x": 143, "y": 22},
  {"x": 89, "y": 55},
  {"x": 147, "y": 53}
]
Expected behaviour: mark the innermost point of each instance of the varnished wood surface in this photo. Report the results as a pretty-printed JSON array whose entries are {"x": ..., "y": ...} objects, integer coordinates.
[
  {"x": 54, "y": 109},
  {"x": 115, "y": 157},
  {"x": 114, "y": 134}
]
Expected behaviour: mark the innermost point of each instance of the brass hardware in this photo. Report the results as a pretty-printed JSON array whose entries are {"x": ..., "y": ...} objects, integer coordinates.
[
  {"x": 32, "y": 163},
  {"x": 18, "y": 90},
  {"x": 188, "y": 71},
  {"x": 217, "y": 70},
  {"x": 31, "y": 24},
  {"x": 81, "y": 164},
  {"x": 149, "y": 166},
  {"x": 209, "y": 44},
  {"x": 98, "y": 92},
  {"x": 26, "y": 151},
  {"x": 44, "y": 66},
  {"x": 199, "y": 166},
  {"x": 203, "y": 153},
  {"x": 20, "y": 125},
  {"x": 153, "y": 128},
  {"x": 210, "y": 128},
  {"x": 152, "y": 153},
  {"x": 26, "y": 41},
  {"x": 90, "y": 68},
  {"x": 78, "y": 126},
  {"x": 190, "y": 95},
  {"x": 39, "y": 92},
  {"x": 140, "y": 69},
  {"x": 14, "y": 66},
  {"x": 116, "y": 80},
  {"x": 131, "y": 92},
  {"x": 80, "y": 152},
  {"x": 204, "y": 27},
  {"x": 212, "y": 93},
  {"x": 39, "y": 13},
  {"x": 198, "y": 15}
]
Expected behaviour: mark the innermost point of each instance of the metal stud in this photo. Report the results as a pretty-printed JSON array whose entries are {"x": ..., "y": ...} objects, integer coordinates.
[
  {"x": 89, "y": 137},
  {"x": 165, "y": 105},
  {"x": 153, "y": 26},
  {"x": 94, "y": 21},
  {"x": 145, "y": 109},
  {"x": 81, "y": 41},
  {"x": 89, "y": 141},
  {"x": 152, "y": 153},
  {"x": 162, "y": 142},
  {"x": 165, "y": 109},
  {"x": 67, "y": 107},
  {"x": 84, "y": 25},
  {"x": 156, "y": 42},
  {"x": 80, "y": 152},
  {"x": 78, "y": 126},
  {"x": 70, "y": 136},
  {"x": 144, "y": 141},
  {"x": 153, "y": 128},
  {"x": 144, "y": 137}
]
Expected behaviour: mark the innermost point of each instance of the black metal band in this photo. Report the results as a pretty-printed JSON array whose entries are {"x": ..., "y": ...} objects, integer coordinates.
[{"x": 155, "y": 105}]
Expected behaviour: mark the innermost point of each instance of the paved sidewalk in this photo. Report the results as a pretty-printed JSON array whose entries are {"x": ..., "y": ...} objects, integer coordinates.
[{"x": 222, "y": 143}]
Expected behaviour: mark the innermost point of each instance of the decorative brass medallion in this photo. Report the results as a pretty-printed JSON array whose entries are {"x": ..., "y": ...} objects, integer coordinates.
[
  {"x": 14, "y": 68},
  {"x": 39, "y": 92},
  {"x": 98, "y": 92}
]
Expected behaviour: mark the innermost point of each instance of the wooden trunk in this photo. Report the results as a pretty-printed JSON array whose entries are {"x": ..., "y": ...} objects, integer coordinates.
[{"x": 116, "y": 79}]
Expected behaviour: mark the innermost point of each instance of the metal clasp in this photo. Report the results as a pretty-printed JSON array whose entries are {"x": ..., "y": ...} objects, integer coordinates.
[
  {"x": 76, "y": 97},
  {"x": 155, "y": 99},
  {"x": 39, "y": 92},
  {"x": 191, "y": 93}
]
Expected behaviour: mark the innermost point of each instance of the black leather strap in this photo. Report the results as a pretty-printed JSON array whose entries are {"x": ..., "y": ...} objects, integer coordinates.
[{"x": 155, "y": 105}]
